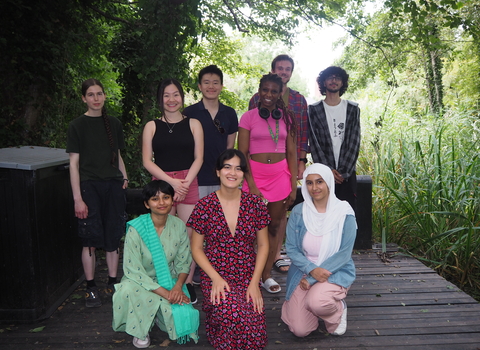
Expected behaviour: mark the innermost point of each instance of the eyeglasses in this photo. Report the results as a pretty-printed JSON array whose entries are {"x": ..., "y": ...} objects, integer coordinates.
[
  {"x": 220, "y": 129},
  {"x": 334, "y": 77}
]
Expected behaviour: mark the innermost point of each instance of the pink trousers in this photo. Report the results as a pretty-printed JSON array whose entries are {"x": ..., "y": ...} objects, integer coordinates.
[{"x": 322, "y": 300}]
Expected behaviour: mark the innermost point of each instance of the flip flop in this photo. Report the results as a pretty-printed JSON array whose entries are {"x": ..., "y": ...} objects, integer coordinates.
[
  {"x": 269, "y": 283},
  {"x": 279, "y": 264}
]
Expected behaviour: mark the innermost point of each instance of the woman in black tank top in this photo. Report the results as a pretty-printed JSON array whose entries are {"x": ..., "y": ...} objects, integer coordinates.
[{"x": 172, "y": 150}]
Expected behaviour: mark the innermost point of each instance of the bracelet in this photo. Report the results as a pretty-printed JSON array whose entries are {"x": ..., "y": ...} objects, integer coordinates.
[
  {"x": 305, "y": 160},
  {"x": 125, "y": 180}
]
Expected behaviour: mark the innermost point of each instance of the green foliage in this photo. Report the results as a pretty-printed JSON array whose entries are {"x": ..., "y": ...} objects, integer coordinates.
[
  {"x": 415, "y": 37},
  {"x": 275, "y": 19},
  {"x": 152, "y": 46},
  {"x": 426, "y": 190},
  {"x": 48, "y": 48}
]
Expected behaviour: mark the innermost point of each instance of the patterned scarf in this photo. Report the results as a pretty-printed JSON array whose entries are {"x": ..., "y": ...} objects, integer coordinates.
[{"x": 185, "y": 317}]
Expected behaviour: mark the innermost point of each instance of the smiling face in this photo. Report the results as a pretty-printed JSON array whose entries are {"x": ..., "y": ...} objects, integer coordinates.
[
  {"x": 269, "y": 93},
  {"x": 95, "y": 99},
  {"x": 231, "y": 175},
  {"x": 317, "y": 188},
  {"x": 172, "y": 99},
  {"x": 160, "y": 204},
  {"x": 284, "y": 70},
  {"x": 211, "y": 86}
]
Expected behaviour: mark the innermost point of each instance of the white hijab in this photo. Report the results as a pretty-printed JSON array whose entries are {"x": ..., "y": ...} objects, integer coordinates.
[{"x": 328, "y": 224}]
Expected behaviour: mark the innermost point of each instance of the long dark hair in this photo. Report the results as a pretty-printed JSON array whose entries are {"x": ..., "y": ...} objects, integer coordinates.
[
  {"x": 288, "y": 116},
  {"x": 87, "y": 84}
]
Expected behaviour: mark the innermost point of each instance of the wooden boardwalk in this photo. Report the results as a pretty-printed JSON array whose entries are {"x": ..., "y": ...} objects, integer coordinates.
[{"x": 396, "y": 305}]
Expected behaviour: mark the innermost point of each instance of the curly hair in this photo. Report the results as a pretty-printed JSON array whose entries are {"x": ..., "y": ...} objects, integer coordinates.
[
  {"x": 332, "y": 70},
  {"x": 288, "y": 116}
]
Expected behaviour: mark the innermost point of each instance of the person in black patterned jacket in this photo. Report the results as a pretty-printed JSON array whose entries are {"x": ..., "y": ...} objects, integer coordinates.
[{"x": 334, "y": 132}]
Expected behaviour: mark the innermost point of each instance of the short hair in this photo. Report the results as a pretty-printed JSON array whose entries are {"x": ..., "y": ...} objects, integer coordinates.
[
  {"x": 229, "y": 154},
  {"x": 161, "y": 89},
  {"x": 154, "y": 187},
  {"x": 332, "y": 70},
  {"x": 282, "y": 58},
  {"x": 212, "y": 69}
]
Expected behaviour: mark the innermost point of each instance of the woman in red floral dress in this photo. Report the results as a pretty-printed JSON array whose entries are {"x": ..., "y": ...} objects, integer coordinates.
[{"x": 226, "y": 225}]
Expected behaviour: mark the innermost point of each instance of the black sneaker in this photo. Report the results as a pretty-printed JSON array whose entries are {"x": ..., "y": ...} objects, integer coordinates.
[
  {"x": 109, "y": 290},
  {"x": 196, "y": 276},
  {"x": 92, "y": 297},
  {"x": 191, "y": 291}
]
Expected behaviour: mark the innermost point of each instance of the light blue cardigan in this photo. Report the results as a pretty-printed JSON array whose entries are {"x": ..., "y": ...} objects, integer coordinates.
[{"x": 339, "y": 264}]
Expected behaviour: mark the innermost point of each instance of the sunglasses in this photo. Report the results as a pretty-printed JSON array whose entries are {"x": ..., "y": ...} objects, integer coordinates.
[{"x": 220, "y": 129}]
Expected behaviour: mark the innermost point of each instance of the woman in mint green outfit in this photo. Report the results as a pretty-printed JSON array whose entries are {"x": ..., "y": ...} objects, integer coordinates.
[{"x": 156, "y": 264}]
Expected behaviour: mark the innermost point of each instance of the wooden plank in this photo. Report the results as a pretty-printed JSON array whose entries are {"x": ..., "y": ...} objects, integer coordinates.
[{"x": 436, "y": 316}]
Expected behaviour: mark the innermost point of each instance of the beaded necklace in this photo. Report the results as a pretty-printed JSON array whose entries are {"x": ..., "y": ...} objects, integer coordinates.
[{"x": 277, "y": 132}]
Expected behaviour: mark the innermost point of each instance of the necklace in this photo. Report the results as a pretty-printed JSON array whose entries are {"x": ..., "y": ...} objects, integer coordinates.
[
  {"x": 274, "y": 136},
  {"x": 170, "y": 129}
]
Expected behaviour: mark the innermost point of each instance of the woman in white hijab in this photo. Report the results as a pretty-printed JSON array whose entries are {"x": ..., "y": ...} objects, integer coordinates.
[{"x": 320, "y": 236}]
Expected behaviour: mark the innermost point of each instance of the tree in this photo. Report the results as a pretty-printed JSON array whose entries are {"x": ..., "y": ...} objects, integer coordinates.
[
  {"x": 47, "y": 47},
  {"x": 407, "y": 35}
]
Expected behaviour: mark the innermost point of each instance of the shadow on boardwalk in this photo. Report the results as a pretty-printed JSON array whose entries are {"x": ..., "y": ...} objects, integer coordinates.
[{"x": 396, "y": 305}]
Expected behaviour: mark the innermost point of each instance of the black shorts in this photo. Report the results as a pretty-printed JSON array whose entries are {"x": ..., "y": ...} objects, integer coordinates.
[{"x": 105, "y": 224}]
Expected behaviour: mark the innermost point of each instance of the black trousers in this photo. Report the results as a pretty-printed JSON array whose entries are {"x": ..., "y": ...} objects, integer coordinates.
[{"x": 347, "y": 191}]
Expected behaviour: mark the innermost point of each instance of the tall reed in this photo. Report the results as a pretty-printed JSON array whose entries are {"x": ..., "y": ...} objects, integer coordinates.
[{"x": 427, "y": 191}]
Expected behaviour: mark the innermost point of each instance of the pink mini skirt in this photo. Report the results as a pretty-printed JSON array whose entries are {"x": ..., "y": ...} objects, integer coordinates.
[
  {"x": 274, "y": 181},
  {"x": 192, "y": 195}
]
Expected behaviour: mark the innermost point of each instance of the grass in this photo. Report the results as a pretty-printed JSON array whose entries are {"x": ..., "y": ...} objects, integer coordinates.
[{"x": 426, "y": 177}]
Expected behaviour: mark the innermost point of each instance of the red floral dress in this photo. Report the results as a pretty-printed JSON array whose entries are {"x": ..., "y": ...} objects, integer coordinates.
[{"x": 233, "y": 324}]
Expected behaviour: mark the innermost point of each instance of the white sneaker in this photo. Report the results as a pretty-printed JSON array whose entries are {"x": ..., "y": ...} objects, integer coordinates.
[
  {"x": 342, "y": 327},
  {"x": 141, "y": 344}
]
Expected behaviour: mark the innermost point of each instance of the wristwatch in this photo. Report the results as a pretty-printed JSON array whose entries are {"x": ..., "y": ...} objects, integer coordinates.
[{"x": 305, "y": 160}]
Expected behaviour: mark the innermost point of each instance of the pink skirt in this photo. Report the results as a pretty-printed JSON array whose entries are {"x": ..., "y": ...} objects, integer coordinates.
[
  {"x": 274, "y": 181},
  {"x": 192, "y": 195}
]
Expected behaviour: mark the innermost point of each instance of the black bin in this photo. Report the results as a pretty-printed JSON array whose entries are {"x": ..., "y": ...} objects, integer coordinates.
[
  {"x": 40, "y": 262},
  {"x": 363, "y": 213}
]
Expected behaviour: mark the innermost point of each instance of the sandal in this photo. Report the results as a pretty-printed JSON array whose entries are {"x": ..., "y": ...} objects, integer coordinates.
[
  {"x": 281, "y": 263},
  {"x": 141, "y": 344},
  {"x": 269, "y": 283}
]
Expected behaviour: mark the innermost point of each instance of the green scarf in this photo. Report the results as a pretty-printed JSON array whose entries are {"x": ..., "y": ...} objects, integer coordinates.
[{"x": 185, "y": 317}]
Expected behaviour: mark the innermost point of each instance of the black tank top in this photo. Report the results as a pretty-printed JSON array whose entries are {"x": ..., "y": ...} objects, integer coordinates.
[{"x": 173, "y": 151}]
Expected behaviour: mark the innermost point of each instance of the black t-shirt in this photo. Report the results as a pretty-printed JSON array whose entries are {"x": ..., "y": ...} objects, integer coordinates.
[
  {"x": 88, "y": 137},
  {"x": 214, "y": 141}
]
